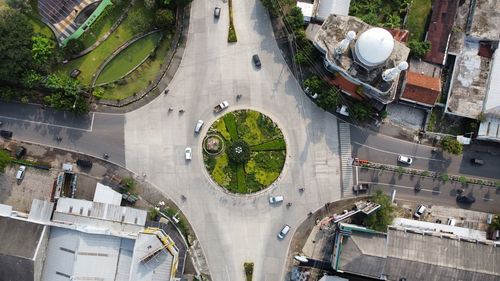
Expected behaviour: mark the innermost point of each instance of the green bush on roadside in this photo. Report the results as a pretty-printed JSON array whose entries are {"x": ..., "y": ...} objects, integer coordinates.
[{"x": 248, "y": 270}]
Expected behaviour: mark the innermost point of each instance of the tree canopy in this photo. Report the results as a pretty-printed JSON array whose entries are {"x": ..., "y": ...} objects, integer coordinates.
[
  {"x": 452, "y": 146},
  {"x": 239, "y": 152},
  {"x": 380, "y": 219},
  {"x": 164, "y": 18},
  {"x": 4, "y": 160},
  {"x": 42, "y": 50},
  {"x": 15, "y": 45},
  {"x": 419, "y": 49}
]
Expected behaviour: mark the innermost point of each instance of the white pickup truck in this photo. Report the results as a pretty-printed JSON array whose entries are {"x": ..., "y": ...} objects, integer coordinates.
[{"x": 223, "y": 105}]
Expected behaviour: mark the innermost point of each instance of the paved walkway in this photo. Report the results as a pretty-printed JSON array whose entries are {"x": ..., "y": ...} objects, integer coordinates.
[{"x": 346, "y": 158}]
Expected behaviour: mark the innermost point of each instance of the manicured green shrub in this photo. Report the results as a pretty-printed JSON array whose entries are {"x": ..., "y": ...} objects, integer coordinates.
[
  {"x": 239, "y": 152},
  {"x": 276, "y": 144}
]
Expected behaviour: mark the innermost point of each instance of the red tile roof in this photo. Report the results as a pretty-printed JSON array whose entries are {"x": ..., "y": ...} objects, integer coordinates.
[
  {"x": 345, "y": 86},
  {"x": 443, "y": 16},
  {"x": 400, "y": 35},
  {"x": 421, "y": 89}
]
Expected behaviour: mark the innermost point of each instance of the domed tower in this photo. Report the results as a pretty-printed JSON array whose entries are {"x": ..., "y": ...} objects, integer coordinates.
[{"x": 373, "y": 47}]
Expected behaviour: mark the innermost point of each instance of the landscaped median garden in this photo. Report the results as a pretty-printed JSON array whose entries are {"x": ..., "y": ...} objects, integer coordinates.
[{"x": 244, "y": 151}]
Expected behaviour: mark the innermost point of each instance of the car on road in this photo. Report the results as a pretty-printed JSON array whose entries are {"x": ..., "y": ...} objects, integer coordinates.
[
  {"x": 405, "y": 159},
  {"x": 419, "y": 211},
  {"x": 20, "y": 172},
  {"x": 198, "y": 126},
  {"x": 256, "y": 60},
  {"x": 6, "y": 134},
  {"x": 188, "y": 153},
  {"x": 217, "y": 12},
  {"x": 464, "y": 199},
  {"x": 477, "y": 161},
  {"x": 284, "y": 231},
  {"x": 221, "y": 106},
  {"x": 276, "y": 199}
]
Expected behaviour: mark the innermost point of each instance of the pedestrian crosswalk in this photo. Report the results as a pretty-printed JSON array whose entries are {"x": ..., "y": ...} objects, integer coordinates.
[{"x": 346, "y": 158}]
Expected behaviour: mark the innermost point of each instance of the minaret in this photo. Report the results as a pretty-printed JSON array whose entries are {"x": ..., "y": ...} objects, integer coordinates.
[
  {"x": 390, "y": 74},
  {"x": 342, "y": 46}
]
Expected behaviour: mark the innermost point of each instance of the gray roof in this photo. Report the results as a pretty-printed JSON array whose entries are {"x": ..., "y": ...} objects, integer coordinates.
[
  {"x": 418, "y": 256},
  {"x": 17, "y": 249}
]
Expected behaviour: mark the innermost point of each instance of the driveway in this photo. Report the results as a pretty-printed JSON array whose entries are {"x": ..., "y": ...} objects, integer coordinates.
[{"x": 234, "y": 229}]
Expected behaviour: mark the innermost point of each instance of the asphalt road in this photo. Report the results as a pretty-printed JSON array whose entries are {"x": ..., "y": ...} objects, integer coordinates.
[
  {"x": 235, "y": 229},
  {"x": 92, "y": 134},
  {"x": 433, "y": 191},
  {"x": 379, "y": 148}
]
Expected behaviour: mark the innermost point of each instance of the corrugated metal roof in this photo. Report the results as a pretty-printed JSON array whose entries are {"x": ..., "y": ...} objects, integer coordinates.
[
  {"x": 492, "y": 103},
  {"x": 156, "y": 268},
  {"x": 105, "y": 194},
  {"x": 328, "y": 7}
]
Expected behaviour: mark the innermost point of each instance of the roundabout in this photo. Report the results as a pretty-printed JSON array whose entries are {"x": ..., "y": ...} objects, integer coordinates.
[{"x": 244, "y": 151}]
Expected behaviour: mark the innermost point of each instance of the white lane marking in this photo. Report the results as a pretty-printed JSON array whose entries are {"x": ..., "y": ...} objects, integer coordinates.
[
  {"x": 401, "y": 186},
  {"x": 92, "y": 122},
  {"x": 49, "y": 124},
  {"x": 394, "y": 153}
]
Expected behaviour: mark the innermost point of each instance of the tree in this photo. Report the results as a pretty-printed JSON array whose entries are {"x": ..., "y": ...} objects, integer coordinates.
[
  {"x": 164, "y": 18},
  {"x": 359, "y": 111},
  {"x": 73, "y": 47},
  {"x": 384, "y": 215},
  {"x": 452, "y": 146},
  {"x": 314, "y": 85},
  {"x": 42, "y": 50},
  {"x": 393, "y": 21},
  {"x": 419, "y": 49},
  {"x": 22, "y": 6},
  {"x": 15, "y": 46},
  {"x": 330, "y": 99},
  {"x": 67, "y": 94},
  {"x": 239, "y": 152},
  {"x": 139, "y": 22},
  {"x": 295, "y": 18},
  {"x": 495, "y": 224},
  {"x": 4, "y": 160},
  {"x": 150, "y": 4}
]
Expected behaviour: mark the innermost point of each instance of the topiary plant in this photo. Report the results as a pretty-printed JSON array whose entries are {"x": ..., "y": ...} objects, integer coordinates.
[{"x": 239, "y": 152}]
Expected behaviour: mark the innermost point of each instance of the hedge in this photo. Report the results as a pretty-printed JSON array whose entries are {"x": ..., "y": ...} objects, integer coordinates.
[{"x": 276, "y": 144}]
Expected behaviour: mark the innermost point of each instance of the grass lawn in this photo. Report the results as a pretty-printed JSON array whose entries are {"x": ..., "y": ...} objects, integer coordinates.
[
  {"x": 89, "y": 63},
  {"x": 417, "y": 18},
  {"x": 141, "y": 77},
  {"x": 129, "y": 58},
  {"x": 266, "y": 160},
  {"x": 103, "y": 24}
]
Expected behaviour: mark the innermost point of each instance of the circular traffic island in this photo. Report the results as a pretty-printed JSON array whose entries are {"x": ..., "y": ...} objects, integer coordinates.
[{"x": 244, "y": 151}]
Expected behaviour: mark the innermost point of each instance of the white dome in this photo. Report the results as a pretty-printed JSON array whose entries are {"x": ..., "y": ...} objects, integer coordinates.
[{"x": 374, "y": 46}]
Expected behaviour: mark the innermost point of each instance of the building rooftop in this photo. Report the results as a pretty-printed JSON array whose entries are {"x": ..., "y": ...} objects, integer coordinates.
[
  {"x": 74, "y": 255},
  {"x": 489, "y": 129},
  {"x": 18, "y": 249},
  {"x": 100, "y": 217},
  {"x": 438, "y": 33},
  {"x": 325, "y": 8},
  {"x": 105, "y": 194},
  {"x": 485, "y": 20},
  {"x": 421, "y": 89},
  {"x": 366, "y": 58},
  {"x": 469, "y": 81},
  {"x": 414, "y": 255}
]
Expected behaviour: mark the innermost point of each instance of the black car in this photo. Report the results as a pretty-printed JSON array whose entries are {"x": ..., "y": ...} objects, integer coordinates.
[
  {"x": 256, "y": 60},
  {"x": 84, "y": 163},
  {"x": 6, "y": 134},
  {"x": 465, "y": 199},
  {"x": 20, "y": 152}
]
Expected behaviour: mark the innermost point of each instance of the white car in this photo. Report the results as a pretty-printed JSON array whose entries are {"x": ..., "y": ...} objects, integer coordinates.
[
  {"x": 188, "y": 152},
  {"x": 419, "y": 211},
  {"x": 405, "y": 159},
  {"x": 284, "y": 231},
  {"x": 275, "y": 199},
  {"x": 20, "y": 173},
  {"x": 198, "y": 126}
]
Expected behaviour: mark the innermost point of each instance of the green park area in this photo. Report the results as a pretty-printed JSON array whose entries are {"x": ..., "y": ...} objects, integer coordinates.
[
  {"x": 244, "y": 151},
  {"x": 417, "y": 18},
  {"x": 129, "y": 58}
]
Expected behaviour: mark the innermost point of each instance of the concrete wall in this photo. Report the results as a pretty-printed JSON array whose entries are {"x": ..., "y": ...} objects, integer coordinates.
[{"x": 41, "y": 253}]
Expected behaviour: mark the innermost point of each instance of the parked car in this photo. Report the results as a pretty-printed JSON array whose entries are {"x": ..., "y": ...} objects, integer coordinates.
[
  {"x": 20, "y": 152},
  {"x": 217, "y": 12},
  {"x": 221, "y": 106},
  {"x": 188, "y": 153},
  {"x": 84, "y": 163},
  {"x": 419, "y": 211},
  {"x": 362, "y": 187},
  {"x": 477, "y": 161},
  {"x": 284, "y": 231},
  {"x": 198, "y": 126},
  {"x": 20, "y": 172},
  {"x": 405, "y": 159},
  {"x": 275, "y": 199},
  {"x": 466, "y": 199},
  {"x": 256, "y": 60},
  {"x": 6, "y": 134}
]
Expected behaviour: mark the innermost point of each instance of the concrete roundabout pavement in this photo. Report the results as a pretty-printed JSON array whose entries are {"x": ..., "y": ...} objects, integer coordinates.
[{"x": 234, "y": 229}]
